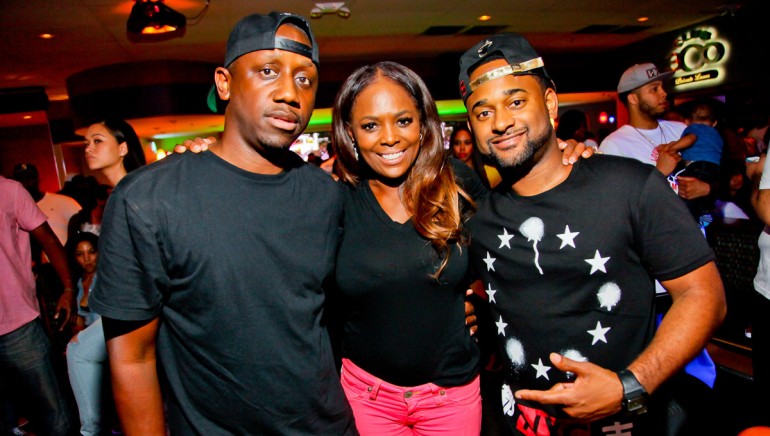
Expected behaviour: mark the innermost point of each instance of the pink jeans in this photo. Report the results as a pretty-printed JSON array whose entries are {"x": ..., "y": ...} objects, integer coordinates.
[{"x": 381, "y": 408}]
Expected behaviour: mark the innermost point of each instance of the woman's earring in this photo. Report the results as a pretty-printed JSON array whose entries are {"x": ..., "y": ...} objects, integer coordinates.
[
  {"x": 420, "y": 138},
  {"x": 355, "y": 150}
]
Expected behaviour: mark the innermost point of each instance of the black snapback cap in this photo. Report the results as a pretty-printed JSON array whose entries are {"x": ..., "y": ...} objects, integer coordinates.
[
  {"x": 515, "y": 49},
  {"x": 257, "y": 32}
]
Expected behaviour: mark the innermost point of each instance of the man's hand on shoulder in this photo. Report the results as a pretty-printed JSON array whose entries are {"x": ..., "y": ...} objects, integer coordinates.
[
  {"x": 573, "y": 150},
  {"x": 596, "y": 392},
  {"x": 196, "y": 145}
]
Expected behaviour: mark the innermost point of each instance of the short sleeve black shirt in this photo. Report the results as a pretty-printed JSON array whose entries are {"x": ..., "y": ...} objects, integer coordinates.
[
  {"x": 572, "y": 270},
  {"x": 402, "y": 325},
  {"x": 232, "y": 262}
]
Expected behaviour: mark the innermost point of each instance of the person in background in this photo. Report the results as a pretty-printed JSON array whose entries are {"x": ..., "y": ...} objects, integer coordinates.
[
  {"x": 569, "y": 254},
  {"x": 86, "y": 352},
  {"x": 57, "y": 207},
  {"x": 573, "y": 124},
  {"x": 328, "y": 164},
  {"x": 83, "y": 254},
  {"x": 89, "y": 219},
  {"x": 733, "y": 191},
  {"x": 759, "y": 173},
  {"x": 112, "y": 151},
  {"x": 701, "y": 149},
  {"x": 25, "y": 351},
  {"x": 464, "y": 149},
  {"x": 80, "y": 188},
  {"x": 757, "y": 127},
  {"x": 228, "y": 314},
  {"x": 646, "y": 137}
]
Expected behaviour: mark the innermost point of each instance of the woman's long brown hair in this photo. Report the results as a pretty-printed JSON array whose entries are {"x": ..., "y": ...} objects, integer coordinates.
[{"x": 429, "y": 192}]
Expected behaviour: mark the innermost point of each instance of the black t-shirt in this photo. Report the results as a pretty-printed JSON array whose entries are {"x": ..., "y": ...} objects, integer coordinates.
[
  {"x": 232, "y": 262},
  {"x": 572, "y": 270},
  {"x": 402, "y": 325}
]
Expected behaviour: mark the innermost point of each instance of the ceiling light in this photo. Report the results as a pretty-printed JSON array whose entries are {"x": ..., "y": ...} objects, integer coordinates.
[
  {"x": 153, "y": 17},
  {"x": 344, "y": 12},
  {"x": 338, "y": 8},
  {"x": 642, "y": 19},
  {"x": 45, "y": 36},
  {"x": 485, "y": 18}
]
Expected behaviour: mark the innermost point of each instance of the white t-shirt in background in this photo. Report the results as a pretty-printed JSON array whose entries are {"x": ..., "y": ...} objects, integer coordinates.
[
  {"x": 762, "y": 279},
  {"x": 640, "y": 144}
]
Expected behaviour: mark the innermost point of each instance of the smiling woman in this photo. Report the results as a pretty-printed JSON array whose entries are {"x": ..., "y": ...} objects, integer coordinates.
[{"x": 401, "y": 272}]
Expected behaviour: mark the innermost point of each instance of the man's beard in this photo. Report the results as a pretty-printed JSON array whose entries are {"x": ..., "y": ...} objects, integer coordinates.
[
  {"x": 651, "y": 111},
  {"x": 524, "y": 158}
]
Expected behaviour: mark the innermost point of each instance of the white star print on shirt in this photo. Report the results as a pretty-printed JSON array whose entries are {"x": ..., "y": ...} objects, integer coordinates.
[
  {"x": 491, "y": 293},
  {"x": 490, "y": 261},
  {"x": 567, "y": 238},
  {"x": 542, "y": 370},
  {"x": 501, "y": 326},
  {"x": 599, "y": 333},
  {"x": 597, "y": 263},
  {"x": 505, "y": 239}
]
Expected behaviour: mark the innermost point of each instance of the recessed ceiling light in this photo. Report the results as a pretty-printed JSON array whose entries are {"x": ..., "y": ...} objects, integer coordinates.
[
  {"x": 642, "y": 19},
  {"x": 27, "y": 117},
  {"x": 46, "y": 35},
  {"x": 485, "y": 18}
]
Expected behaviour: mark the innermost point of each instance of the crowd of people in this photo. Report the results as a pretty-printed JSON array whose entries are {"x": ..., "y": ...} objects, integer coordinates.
[{"x": 190, "y": 297}]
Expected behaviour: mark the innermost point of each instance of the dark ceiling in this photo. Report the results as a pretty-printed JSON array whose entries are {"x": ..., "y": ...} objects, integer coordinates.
[{"x": 427, "y": 35}]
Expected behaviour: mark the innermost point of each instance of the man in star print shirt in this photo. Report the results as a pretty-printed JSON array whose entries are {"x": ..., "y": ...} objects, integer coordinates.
[{"x": 568, "y": 256}]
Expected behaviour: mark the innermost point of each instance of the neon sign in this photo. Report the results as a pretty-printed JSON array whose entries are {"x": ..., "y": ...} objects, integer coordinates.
[{"x": 699, "y": 59}]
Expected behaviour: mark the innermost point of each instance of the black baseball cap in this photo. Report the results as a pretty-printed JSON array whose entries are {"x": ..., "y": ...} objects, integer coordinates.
[
  {"x": 257, "y": 32},
  {"x": 515, "y": 49}
]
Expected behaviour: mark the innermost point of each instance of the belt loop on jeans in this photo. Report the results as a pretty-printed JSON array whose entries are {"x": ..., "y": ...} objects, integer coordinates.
[{"x": 374, "y": 389}]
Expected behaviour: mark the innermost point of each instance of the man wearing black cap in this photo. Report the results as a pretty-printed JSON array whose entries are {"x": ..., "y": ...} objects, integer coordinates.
[
  {"x": 568, "y": 256},
  {"x": 232, "y": 306},
  {"x": 641, "y": 89}
]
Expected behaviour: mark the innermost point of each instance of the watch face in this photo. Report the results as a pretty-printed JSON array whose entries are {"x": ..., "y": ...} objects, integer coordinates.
[{"x": 636, "y": 405}]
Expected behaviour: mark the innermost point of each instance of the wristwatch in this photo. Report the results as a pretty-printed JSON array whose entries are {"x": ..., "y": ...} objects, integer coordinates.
[{"x": 634, "y": 396}]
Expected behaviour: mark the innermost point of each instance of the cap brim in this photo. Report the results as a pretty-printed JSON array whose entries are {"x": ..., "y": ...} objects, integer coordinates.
[
  {"x": 665, "y": 76},
  {"x": 660, "y": 77}
]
